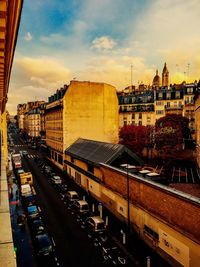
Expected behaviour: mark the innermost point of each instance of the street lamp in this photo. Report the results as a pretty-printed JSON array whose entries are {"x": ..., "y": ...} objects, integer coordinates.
[{"x": 126, "y": 166}]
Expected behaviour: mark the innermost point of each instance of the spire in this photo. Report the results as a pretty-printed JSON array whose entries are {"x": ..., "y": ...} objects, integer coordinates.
[
  {"x": 157, "y": 72},
  {"x": 165, "y": 76}
]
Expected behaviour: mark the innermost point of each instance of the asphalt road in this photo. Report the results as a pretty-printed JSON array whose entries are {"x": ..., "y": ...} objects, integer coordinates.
[{"x": 74, "y": 246}]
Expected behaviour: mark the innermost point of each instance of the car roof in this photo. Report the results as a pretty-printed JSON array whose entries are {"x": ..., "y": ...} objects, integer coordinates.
[
  {"x": 96, "y": 219},
  {"x": 72, "y": 192},
  {"x": 32, "y": 208},
  {"x": 56, "y": 176},
  {"x": 82, "y": 202}
]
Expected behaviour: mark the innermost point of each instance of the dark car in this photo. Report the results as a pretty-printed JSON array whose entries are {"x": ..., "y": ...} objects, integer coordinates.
[
  {"x": 62, "y": 188},
  {"x": 33, "y": 212},
  {"x": 29, "y": 200},
  {"x": 37, "y": 227},
  {"x": 43, "y": 245}
]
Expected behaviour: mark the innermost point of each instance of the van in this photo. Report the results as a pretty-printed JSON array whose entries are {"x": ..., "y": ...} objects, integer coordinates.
[
  {"x": 95, "y": 224},
  {"x": 81, "y": 207},
  {"x": 71, "y": 196}
]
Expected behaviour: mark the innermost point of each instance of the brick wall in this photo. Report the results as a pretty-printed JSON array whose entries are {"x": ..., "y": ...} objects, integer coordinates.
[{"x": 179, "y": 212}]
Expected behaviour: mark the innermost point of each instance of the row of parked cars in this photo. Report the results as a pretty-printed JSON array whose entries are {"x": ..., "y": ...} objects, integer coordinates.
[
  {"x": 42, "y": 242},
  {"x": 94, "y": 224}
]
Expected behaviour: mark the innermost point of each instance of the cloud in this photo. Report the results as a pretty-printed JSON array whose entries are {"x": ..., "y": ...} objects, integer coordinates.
[
  {"x": 35, "y": 78},
  {"x": 103, "y": 43},
  {"x": 28, "y": 37}
]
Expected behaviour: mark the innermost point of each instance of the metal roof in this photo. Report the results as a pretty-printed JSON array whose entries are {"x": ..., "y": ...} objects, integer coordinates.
[{"x": 98, "y": 152}]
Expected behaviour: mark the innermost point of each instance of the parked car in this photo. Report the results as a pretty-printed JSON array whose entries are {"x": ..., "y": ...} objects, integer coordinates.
[
  {"x": 62, "y": 188},
  {"x": 95, "y": 224},
  {"x": 43, "y": 245},
  {"x": 81, "y": 207},
  {"x": 25, "y": 153},
  {"x": 32, "y": 212},
  {"x": 29, "y": 200},
  {"x": 37, "y": 227},
  {"x": 56, "y": 180},
  {"x": 71, "y": 196}
]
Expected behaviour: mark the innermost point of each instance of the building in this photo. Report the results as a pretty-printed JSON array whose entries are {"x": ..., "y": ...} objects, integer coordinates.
[
  {"x": 22, "y": 109},
  {"x": 165, "y": 76},
  {"x": 197, "y": 125},
  {"x": 136, "y": 108},
  {"x": 82, "y": 109},
  {"x": 156, "y": 81},
  {"x": 94, "y": 166},
  {"x": 10, "y": 12},
  {"x": 34, "y": 122}
]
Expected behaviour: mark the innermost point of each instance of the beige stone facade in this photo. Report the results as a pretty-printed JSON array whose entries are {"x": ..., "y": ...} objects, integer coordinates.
[
  {"x": 86, "y": 110},
  {"x": 90, "y": 111}
]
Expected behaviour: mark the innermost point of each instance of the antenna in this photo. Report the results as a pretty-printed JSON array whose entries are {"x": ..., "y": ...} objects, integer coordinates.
[
  {"x": 131, "y": 75},
  {"x": 188, "y": 67}
]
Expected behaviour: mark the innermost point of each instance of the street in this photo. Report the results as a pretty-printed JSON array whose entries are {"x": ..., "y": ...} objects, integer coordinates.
[{"x": 73, "y": 244}]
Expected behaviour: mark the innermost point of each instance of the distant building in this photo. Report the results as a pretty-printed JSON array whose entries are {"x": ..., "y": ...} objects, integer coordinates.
[
  {"x": 22, "y": 109},
  {"x": 81, "y": 110},
  {"x": 156, "y": 81},
  {"x": 197, "y": 125},
  {"x": 136, "y": 108},
  {"x": 165, "y": 76}
]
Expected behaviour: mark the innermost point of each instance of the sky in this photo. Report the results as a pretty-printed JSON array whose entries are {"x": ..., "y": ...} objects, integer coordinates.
[{"x": 99, "y": 40}]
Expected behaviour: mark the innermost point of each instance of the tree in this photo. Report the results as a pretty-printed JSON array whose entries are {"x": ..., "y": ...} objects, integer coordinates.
[
  {"x": 136, "y": 138},
  {"x": 170, "y": 132}
]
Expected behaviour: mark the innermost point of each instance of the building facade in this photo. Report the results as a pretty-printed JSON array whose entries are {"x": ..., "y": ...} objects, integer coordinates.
[
  {"x": 136, "y": 108},
  {"x": 84, "y": 109},
  {"x": 145, "y": 107},
  {"x": 197, "y": 125}
]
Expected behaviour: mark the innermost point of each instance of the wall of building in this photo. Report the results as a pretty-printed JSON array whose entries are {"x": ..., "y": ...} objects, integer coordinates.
[
  {"x": 4, "y": 141},
  {"x": 197, "y": 128},
  {"x": 90, "y": 112}
]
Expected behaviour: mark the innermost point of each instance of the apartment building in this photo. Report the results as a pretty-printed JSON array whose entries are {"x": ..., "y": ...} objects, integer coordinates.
[
  {"x": 136, "y": 108},
  {"x": 9, "y": 23},
  {"x": 80, "y": 110},
  {"x": 145, "y": 107},
  {"x": 197, "y": 125}
]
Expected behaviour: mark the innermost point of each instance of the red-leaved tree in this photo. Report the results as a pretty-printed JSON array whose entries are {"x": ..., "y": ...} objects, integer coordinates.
[{"x": 136, "y": 138}]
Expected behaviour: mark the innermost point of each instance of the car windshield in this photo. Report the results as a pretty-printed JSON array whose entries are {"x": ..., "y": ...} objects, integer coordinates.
[
  {"x": 84, "y": 207},
  {"x": 44, "y": 242},
  {"x": 32, "y": 209},
  {"x": 100, "y": 226}
]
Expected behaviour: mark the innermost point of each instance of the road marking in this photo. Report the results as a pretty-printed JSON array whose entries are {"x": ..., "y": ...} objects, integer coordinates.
[
  {"x": 53, "y": 244},
  {"x": 192, "y": 175}
]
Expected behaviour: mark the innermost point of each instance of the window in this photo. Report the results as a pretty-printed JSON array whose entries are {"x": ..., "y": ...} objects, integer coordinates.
[
  {"x": 140, "y": 123},
  {"x": 160, "y": 95},
  {"x": 151, "y": 232},
  {"x": 140, "y": 115},
  {"x": 178, "y": 95},
  {"x": 72, "y": 159},
  {"x": 168, "y": 95},
  {"x": 159, "y": 112},
  {"x": 168, "y": 104},
  {"x": 133, "y": 116},
  {"x": 159, "y": 103},
  {"x": 190, "y": 90},
  {"x": 90, "y": 168}
]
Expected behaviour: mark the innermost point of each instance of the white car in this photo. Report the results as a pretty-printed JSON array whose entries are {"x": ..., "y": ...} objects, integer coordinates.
[{"x": 56, "y": 180}]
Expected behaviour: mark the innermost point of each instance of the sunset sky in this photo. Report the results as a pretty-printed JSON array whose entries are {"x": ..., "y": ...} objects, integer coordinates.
[{"x": 99, "y": 40}]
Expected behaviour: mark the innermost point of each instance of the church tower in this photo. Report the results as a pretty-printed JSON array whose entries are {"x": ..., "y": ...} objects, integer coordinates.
[{"x": 165, "y": 76}]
